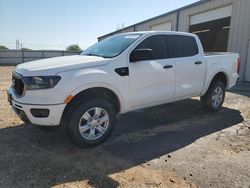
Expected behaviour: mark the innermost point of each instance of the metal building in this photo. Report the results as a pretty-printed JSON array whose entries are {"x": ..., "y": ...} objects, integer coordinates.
[{"x": 222, "y": 25}]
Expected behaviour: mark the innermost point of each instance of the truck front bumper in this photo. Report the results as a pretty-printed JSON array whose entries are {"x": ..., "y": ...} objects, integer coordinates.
[{"x": 44, "y": 115}]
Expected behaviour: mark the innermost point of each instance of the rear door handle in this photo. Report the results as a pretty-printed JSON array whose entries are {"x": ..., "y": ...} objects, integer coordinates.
[
  {"x": 198, "y": 62},
  {"x": 168, "y": 66}
]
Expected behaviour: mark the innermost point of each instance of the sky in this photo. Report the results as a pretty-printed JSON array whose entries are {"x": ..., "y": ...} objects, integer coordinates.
[{"x": 55, "y": 24}]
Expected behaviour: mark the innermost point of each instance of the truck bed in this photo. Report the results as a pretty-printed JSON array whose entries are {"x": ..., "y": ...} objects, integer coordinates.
[
  {"x": 218, "y": 53},
  {"x": 225, "y": 62}
]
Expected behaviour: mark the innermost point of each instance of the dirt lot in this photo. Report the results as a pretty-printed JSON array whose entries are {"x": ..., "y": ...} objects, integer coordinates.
[{"x": 174, "y": 145}]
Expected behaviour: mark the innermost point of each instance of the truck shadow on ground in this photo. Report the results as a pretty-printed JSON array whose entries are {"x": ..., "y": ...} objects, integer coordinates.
[
  {"x": 242, "y": 88},
  {"x": 31, "y": 157}
]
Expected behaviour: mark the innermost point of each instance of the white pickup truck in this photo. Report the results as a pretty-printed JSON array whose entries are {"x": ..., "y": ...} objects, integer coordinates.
[{"x": 122, "y": 73}]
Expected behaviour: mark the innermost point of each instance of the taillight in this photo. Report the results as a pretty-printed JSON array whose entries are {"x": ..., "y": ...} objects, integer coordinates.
[{"x": 238, "y": 66}]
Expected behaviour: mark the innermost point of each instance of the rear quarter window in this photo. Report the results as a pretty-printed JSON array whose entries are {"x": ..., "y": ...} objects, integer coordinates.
[{"x": 182, "y": 46}]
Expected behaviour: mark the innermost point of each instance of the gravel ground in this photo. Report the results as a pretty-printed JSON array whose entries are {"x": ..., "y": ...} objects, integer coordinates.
[{"x": 174, "y": 145}]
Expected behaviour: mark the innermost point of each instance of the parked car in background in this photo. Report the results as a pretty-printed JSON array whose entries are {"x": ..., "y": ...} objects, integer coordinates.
[{"x": 120, "y": 74}]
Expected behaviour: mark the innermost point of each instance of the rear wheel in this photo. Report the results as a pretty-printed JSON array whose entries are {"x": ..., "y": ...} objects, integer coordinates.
[
  {"x": 92, "y": 122},
  {"x": 214, "y": 97}
]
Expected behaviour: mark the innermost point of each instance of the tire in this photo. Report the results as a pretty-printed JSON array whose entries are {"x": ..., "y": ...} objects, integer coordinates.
[
  {"x": 91, "y": 122},
  {"x": 214, "y": 98}
]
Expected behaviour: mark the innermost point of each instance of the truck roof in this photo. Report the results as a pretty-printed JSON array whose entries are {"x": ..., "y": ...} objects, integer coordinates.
[{"x": 159, "y": 32}]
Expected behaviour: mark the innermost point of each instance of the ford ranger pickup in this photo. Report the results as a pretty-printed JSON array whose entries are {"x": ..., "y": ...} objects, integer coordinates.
[{"x": 119, "y": 74}]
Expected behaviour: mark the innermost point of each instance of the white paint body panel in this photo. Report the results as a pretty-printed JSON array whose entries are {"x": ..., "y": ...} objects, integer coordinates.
[
  {"x": 55, "y": 115},
  {"x": 224, "y": 62},
  {"x": 215, "y": 14},
  {"x": 148, "y": 84},
  {"x": 190, "y": 77},
  {"x": 50, "y": 66}
]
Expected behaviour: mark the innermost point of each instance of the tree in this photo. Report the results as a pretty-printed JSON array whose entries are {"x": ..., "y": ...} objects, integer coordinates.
[
  {"x": 3, "y": 48},
  {"x": 74, "y": 48}
]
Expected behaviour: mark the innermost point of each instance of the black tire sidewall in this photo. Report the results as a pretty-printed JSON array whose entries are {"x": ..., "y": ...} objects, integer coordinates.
[
  {"x": 210, "y": 95},
  {"x": 77, "y": 114}
]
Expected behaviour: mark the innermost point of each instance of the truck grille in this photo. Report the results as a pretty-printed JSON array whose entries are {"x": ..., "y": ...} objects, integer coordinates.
[{"x": 17, "y": 84}]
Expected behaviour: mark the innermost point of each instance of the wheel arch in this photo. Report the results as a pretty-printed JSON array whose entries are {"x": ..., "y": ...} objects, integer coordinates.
[
  {"x": 218, "y": 76},
  {"x": 90, "y": 93}
]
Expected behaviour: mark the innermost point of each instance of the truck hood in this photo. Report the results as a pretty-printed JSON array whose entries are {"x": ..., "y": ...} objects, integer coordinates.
[{"x": 52, "y": 66}]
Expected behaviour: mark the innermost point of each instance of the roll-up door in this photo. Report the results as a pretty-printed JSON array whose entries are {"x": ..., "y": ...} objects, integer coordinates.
[{"x": 213, "y": 28}]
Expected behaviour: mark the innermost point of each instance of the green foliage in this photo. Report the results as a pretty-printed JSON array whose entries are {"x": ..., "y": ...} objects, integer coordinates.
[
  {"x": 3, "y": 48},
  {"x": 74, "y": 48}
]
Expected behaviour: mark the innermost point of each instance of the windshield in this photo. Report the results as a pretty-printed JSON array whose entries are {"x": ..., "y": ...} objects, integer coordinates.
[{"x": 112, "y": 46}]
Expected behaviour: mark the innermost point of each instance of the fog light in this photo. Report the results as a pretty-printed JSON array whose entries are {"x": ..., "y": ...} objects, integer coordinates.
[{"x": 40, "y": 113}]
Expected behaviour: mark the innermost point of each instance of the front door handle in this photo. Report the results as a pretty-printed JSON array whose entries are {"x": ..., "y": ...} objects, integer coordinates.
[
  {"x": 198, "y": 62},
  {"x": 168, "y": 66}
]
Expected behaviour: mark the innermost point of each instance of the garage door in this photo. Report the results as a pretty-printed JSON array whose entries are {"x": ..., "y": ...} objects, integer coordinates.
[
  {"x": 215, "y": 14},
  {"x": 212, "y": 27},
  {"x": 166, "y": 26}
]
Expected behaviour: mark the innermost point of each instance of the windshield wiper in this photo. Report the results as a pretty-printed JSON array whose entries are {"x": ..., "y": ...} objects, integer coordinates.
[
  {"x": 90, "y": 54},
  {"x": 96, "y": 55}
]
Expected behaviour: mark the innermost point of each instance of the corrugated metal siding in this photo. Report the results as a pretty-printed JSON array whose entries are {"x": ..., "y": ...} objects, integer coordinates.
[
  {"x": 146, "y": 26},
  {"x": 209, "y": 5},
  {"x": 240, "y": 33},
  {"x": 130, "y": 29},
  {"x": 126, "y": 30}
]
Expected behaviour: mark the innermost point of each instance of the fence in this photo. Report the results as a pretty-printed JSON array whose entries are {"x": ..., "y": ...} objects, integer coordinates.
[{"x": 15, "y": 57}]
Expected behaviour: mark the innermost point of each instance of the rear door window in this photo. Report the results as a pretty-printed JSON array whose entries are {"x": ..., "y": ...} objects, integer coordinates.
[{"x": 182, "y": 46}]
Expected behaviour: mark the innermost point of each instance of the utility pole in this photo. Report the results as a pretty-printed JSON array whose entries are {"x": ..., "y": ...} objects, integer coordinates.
[{"x": 17, "y": 44}]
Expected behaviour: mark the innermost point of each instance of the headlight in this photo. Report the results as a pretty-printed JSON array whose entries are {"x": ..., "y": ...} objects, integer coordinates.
[{"x": 41, "y": 82}]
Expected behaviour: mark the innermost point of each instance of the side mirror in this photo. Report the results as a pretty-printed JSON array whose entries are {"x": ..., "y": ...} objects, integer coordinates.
[{"x": 141, "y": 55}]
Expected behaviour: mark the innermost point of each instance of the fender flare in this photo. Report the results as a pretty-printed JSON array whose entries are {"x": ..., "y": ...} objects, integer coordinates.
[
  {"x": 208, "y": 83},
  {"x": 104, "y": 85}
]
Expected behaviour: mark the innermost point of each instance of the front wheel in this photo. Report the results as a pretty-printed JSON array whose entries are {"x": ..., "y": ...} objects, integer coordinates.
[
  {"x": 214, "y": 97},
  {"x": 92, "y": 122}
]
